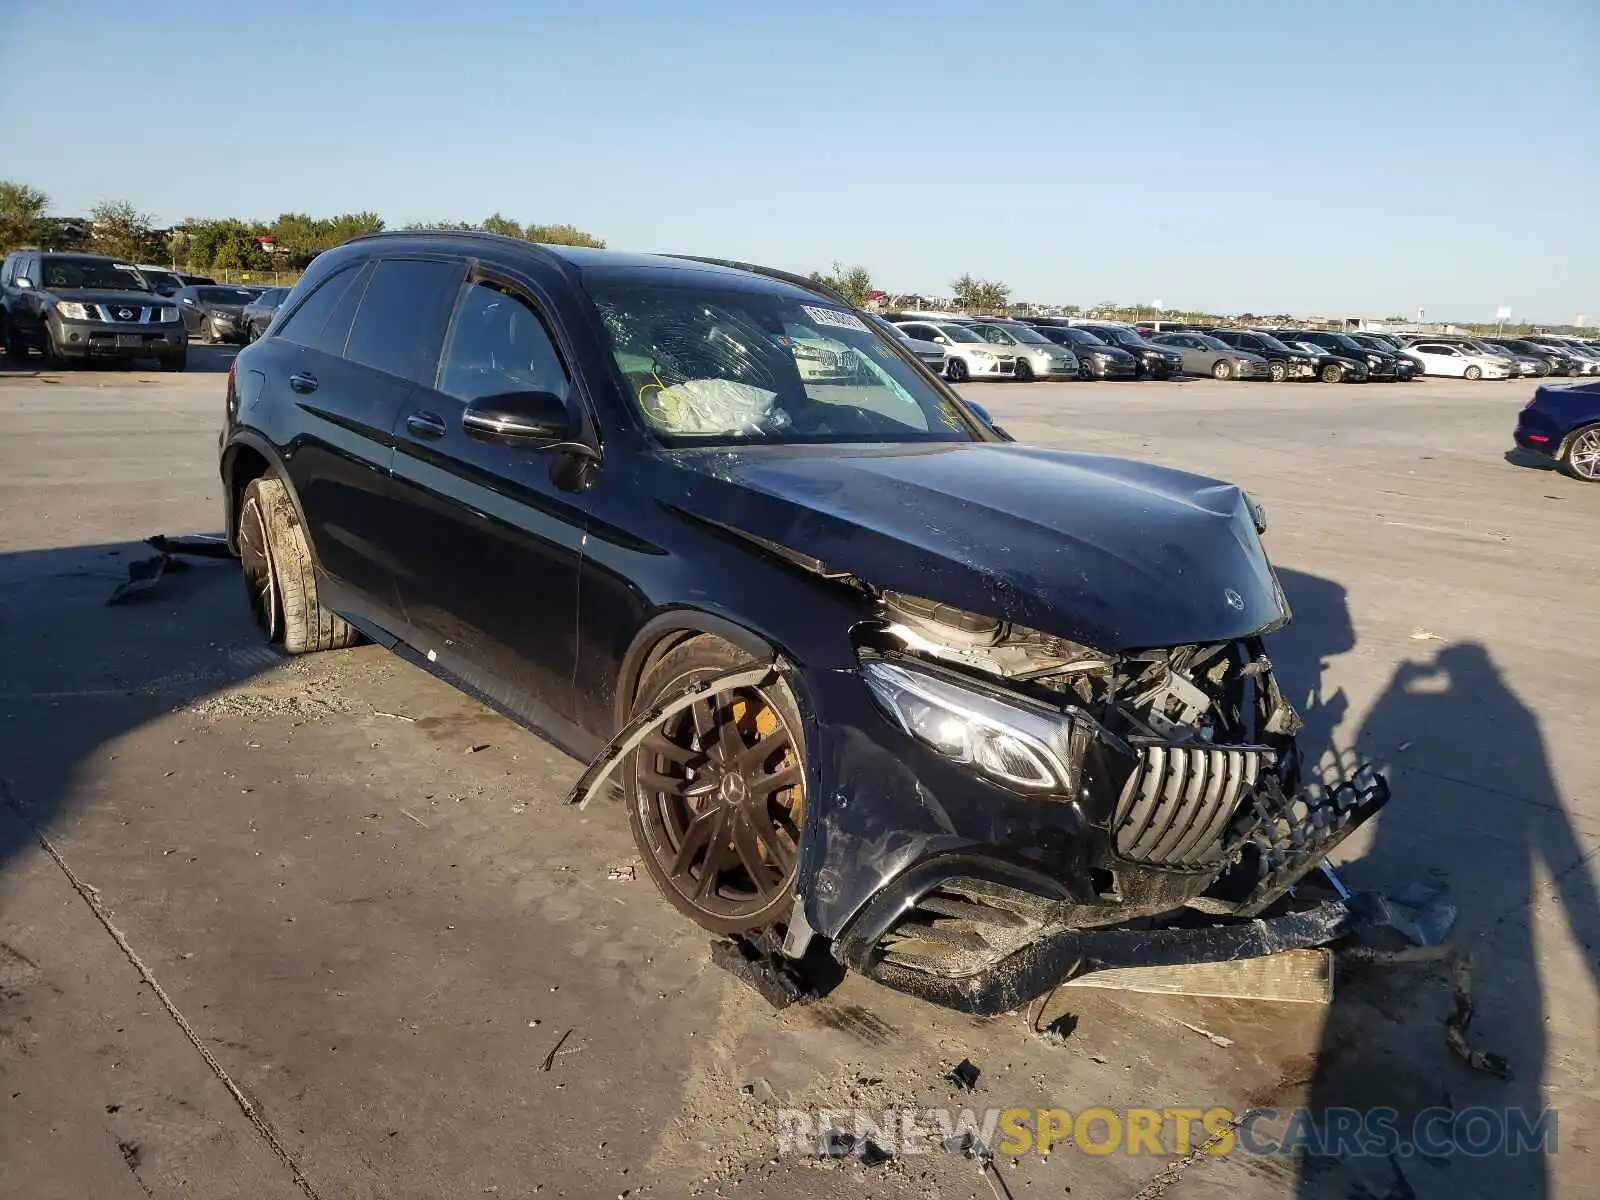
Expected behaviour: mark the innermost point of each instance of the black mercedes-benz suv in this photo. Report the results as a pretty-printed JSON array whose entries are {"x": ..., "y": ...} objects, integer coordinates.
[
  {"x": 82, "y": 306},
  {"x": 872, "y": 678}
]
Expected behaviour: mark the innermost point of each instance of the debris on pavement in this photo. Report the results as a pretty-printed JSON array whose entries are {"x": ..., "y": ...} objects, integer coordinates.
[
  {"x": 622, "y": 873},
  {"x": 378, "y": 712},
  {"x": 964, "y": 1075},
  {"x": 415, "y": 818},
  {"x": 1458, "y": 1022},
  {"x": 757, "y": 959},
  {"x": 1419, "y": 634},
  {"x": 145, "y": 573},
  {"x": 1058, "y": 1031},
  {"x": 550, "y": 1059},
  {"x": 874, "y": 1155},
  {"x": 1302, "y": 976},
  {"x": 478, "y": 749},
  {"x": 1216, "y": 1039}
]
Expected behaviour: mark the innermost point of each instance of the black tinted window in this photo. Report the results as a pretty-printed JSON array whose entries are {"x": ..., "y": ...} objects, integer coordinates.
[
  {"x": 401, "y": 320},
  {"x": 322, "y": 319},
  {"x": 498, "y": 345}
]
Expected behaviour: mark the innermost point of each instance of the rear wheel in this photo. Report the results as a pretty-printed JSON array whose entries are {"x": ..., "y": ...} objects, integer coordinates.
[
  {"x": 1332, "y": 373},
  {"x": 956, "y": 369},
  {"x": 278, "y": 573},
  {"x": 1581, "y": 457},
  {"x": 1222, "y": 369},
  {"x": 16, "y": 348},
  {"x": 716, "y": 794},
  {"x": 1474, "y": 373},
  {"x": 1279, "y": 372}
]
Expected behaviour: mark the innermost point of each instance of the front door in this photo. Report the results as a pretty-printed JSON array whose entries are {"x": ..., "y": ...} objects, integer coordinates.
[{"x": 489, "y": 570}]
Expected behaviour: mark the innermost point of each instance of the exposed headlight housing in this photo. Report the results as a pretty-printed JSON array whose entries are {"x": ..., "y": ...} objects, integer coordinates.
[
  {"x": 1010, "y": 740},
  {"x": 72, "y": 310}
]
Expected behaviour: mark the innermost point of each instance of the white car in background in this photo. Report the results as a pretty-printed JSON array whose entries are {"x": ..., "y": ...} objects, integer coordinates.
[
  {"x": 1459, "y": 361},
  {"x": 968, "y": 355}
]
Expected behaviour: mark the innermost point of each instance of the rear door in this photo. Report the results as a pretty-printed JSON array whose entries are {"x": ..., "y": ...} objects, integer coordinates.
[
  {"x": 351, "y": 353},
  {"x": 489, "y": 576}
]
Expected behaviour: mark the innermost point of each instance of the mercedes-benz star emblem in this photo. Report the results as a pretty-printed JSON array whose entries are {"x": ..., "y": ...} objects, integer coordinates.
[{"x": 1234, "y": 599}]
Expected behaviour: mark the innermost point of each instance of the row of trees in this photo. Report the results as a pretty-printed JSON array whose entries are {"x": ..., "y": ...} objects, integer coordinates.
[{"x": 206, "y": 244}]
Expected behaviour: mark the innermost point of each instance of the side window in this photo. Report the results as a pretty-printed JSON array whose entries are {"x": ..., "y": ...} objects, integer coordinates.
[
  {"x": 401, "y": 319},
  {"x": 995, "y": 337},
  {"x": 1250, "y": 343},
  {"x": 926, "y": 333},
  {"x": 310, "y": 324},
  {"x": 7, "y": 269},
  {"x": 498, "y": 345}
]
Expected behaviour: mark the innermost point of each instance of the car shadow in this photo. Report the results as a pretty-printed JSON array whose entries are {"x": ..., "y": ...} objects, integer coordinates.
[
  {"x": 1518, "y": 457},
  {"x": 76, "y": 674},
  {"x": 1476, "y": 808}
]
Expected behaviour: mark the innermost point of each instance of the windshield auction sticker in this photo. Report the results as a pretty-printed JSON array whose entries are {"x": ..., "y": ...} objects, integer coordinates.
[{"x": 832, "y": 316}]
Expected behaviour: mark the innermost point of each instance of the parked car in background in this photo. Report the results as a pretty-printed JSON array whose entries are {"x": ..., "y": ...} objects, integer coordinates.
[
  {"x": 257, "y": 315},
  {"x": 1586, "y": 358},
  {"x": 1558, "y": 361},
  {"x": 1097, "y": 358},
  {"x": 968, "y": 356},
  {"x": 1284, "y": 361},
  {"x": 1037, "y": 356},
  {"x": 214, "y": 312},
  {"x": 1203, "y": 354},
  {"x": 866, "y": 672},
  {"x": 1154, "y": 362},
  {"x": 1523, "y": 365},
  {"x": 1331, "y": 366},
  {"x": 1562, "y": 422},
  {"x": 162, "y": 280},
  {"x": 929, "y": 354},
  {"x": 1381, "y": 364},
  {"x": 1406, "y": 367},
  {"x": 1459, "y": 361},
  {"x": 75, "y": 307}
]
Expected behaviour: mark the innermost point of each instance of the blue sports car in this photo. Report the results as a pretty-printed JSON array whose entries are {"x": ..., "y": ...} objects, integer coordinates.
[{"x": 1563, "y": 423}]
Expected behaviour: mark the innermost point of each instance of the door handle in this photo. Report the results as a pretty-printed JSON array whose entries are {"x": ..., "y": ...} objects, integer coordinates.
[
  {"x": 426, "y": 425},
  {"x": 303, "y": 381}
]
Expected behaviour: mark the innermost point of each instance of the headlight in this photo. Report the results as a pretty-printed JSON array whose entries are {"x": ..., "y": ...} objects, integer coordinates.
[
  {"x": 1374, "y": 361},
  {"x": 167, "y": 316},
  {"x": 72, "y": 310},
  {"x": 1258, "y": 513},
  {"x": 1247, "y": 362},
  {"x": 983, "y": 356},
  {"x": 1101, "y": 357},
  {"x": 1025, "y": 746}
]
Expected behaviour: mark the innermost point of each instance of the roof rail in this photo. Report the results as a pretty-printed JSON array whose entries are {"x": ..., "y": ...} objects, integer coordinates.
[{"x": 789, "y": 277}]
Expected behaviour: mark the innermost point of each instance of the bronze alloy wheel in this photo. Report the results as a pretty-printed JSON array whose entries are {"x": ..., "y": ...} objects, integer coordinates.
[{"x": 717, "y": 797}]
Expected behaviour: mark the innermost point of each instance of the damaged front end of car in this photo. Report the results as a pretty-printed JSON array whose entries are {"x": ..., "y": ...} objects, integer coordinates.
[{"x": 1117, "y": 809}]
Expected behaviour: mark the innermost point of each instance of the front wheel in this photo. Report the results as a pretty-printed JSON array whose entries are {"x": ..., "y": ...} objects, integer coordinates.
[
  {"x": 1279, "y": 372},
  {"x": 1024, "y": 372},
  {"x": 1474, "y": 373},
  {"x": 53, "y": 357},
  {"x": 956, "y": 369},
  {"x": 1332, "y": 373},
  {"x": 178, "y": 360},
  {"x": 1222, "y": 369},
  {"x": 716, "y": 793},
  {"x": 1581, "y": 458}
]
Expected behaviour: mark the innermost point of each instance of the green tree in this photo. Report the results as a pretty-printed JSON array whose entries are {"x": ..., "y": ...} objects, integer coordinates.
[
  {"x": 562, "y": 235},
  {"x": 21, "y": 208},
  {"x": 504, "y": 226},
  {"x": 120, "y": 230},
  {"x": 853, "y": 283}
]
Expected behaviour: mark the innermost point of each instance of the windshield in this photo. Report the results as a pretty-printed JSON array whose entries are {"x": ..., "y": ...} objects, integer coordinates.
[
  {"x": 713, "y": 366},
  {"x": 1211, "y": 343},
  {"x": 1083, "y": 337},
  {"x": 92, "y": 273},
  {"x": 1023, "y": 333},
  {"x": 958, "y": 333},
  {"x": 225, "y": 295},
  {"x": 1348, "y": 342},
  {"x": 1122, "y": 337},
  {"x": 1270, "y": 342}
]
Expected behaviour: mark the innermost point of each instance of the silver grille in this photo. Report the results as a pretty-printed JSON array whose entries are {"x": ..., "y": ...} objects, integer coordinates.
[
  {"x": 124, "y": 314},
  {"x": 1177, "y": 802}
]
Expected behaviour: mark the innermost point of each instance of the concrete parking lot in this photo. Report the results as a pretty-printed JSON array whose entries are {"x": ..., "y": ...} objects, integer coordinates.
[{"x": 390, "y": 964}]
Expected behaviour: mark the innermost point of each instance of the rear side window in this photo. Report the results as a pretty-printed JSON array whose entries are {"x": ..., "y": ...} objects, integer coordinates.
[
  {"x": 401, "y": 321},
  {"x": 322, "y": 320}
]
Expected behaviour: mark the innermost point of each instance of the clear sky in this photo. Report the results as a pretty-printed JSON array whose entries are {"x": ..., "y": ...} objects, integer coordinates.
[{"x": 1346, "y": 158}]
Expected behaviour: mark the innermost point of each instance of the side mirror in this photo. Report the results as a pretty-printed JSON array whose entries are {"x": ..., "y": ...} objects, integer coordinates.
[
  {"x": 22, "y": 281},
  {"x": 188, "y": 301},
  {"x": 982, "y": 414},
  {"x": 941, "y": 339},
  {"x": 534, "y": 420}
]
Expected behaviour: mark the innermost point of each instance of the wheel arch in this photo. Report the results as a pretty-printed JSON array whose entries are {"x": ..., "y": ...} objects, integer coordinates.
[
  {"x": 667, "y": 630},
  {"x": 249, "y": 456},
  {"x": 1574, "y": 434}
]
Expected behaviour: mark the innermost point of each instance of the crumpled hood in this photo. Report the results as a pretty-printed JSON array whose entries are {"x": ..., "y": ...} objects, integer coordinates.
[{"x": 1109, "y": 552}]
